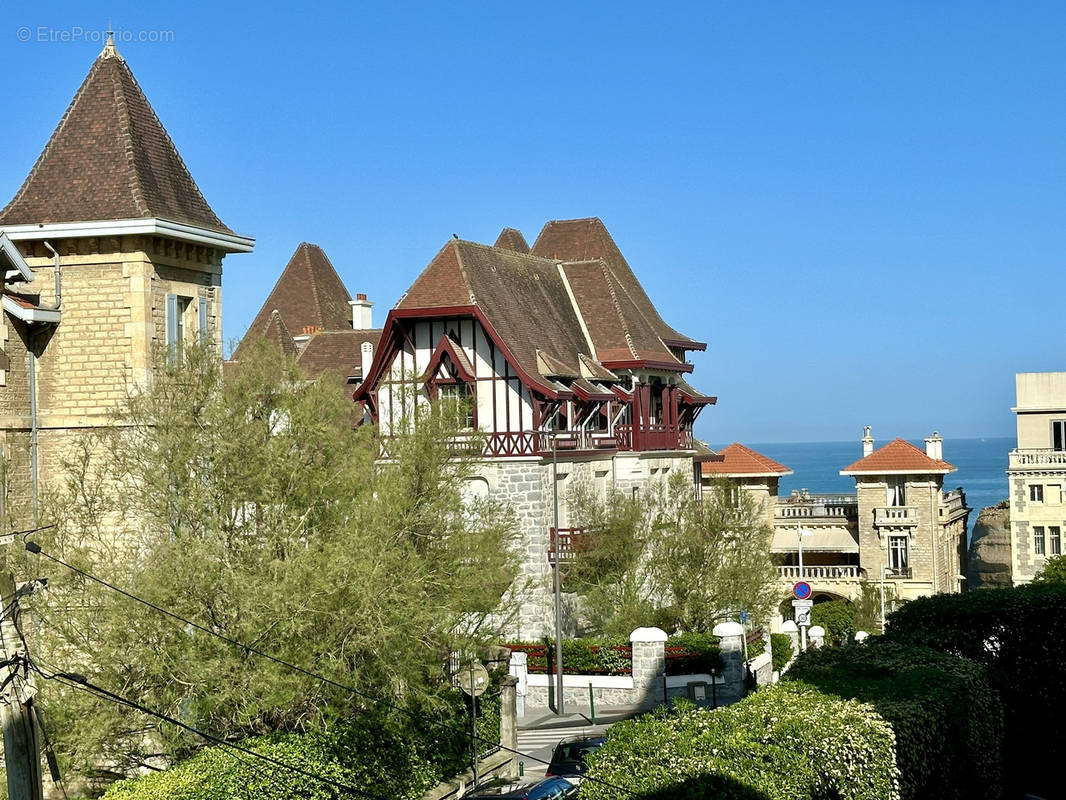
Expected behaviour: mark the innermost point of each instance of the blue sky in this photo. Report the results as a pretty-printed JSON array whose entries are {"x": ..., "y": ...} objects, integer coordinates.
[{"x": 859, "y": 206}]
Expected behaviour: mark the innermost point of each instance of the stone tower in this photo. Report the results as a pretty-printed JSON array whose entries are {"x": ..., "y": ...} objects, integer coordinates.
[{"x": 123, "y": 255}]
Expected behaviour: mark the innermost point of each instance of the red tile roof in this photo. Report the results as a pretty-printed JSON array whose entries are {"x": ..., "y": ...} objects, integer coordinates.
[
  {"x": 588, "y": 239},
  {"x": 336, "y": 351},
  {"x": 309, "y": 294},
  {"x": 513, "y": 240},
  {"x": 110, "y": 158},
  {"x": 897, "y": 456},
  {"x": 555, "y": 316},
  {"x": 738, "y": 460}
]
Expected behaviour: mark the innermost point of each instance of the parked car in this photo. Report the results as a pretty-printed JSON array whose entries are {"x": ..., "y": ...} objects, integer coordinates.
[
  {"x": 547, "y": 789},
  {"x": 568, "y": 759}
]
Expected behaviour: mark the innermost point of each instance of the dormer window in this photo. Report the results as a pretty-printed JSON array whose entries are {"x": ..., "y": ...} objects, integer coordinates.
[{"x": 450, "y": 378}]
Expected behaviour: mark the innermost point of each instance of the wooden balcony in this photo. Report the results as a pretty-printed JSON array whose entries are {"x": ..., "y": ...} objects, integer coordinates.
[
  {"x": 640, "y": 438},
  {"x": 563, "y": 544}
]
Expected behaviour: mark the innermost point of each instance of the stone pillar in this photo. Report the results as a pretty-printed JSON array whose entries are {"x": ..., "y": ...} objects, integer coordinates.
[
  {"x": 520, "y": 672},
  {"x": 509, "y": 722},
  {"x": 816, "y": 634},
  {"x": 792, "y": 629},
  {"x": 649, "y": 666},
  {"x": 731, "y": 636}
]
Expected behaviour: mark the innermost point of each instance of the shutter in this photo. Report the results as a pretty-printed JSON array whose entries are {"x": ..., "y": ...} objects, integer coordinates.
[
  {"x": 172, "y": 328},
  {"x": 204, "y": 337}
]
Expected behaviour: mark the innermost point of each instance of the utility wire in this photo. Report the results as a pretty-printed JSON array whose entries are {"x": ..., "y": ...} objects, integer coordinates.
[
  {"x": 77, "y": 681},
  {"x": 33, "y": 547}
]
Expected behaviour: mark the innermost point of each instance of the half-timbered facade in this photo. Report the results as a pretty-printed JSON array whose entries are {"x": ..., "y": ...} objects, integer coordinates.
[{"x": 560, "y": 354}]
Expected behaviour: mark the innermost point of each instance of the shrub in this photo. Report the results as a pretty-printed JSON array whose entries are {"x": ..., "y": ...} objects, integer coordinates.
[
  {"x": 947, "y": 718},
  {"x": 693, "y": 654},
  {"x": 1020, "y": 635},
  {"x": 366, "y": 751},
  {"x": 588, "y": 656},
  {"x": 781, "y": 650},
  {"x": 1053, "y": 571},
  {"x": 838, "y": 619},
  {"x": 782, "y": 743},
  {"x": 756, "y": 642}
]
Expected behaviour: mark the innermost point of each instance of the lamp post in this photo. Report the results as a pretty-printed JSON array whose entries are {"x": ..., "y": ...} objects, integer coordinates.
[
  {"x": 884, "y": 571},
  {"x": 556, "y": 581}
]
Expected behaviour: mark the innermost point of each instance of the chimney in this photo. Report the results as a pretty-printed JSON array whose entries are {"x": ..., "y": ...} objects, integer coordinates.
[
  {"x": 366, "y": 351},
  {"x": 867, "y": 442},
  {"x": 361, "y": 316},
  {"x": 934, "y": 447}
]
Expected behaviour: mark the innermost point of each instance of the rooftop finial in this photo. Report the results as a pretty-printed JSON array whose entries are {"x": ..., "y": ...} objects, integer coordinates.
[{"x": 109, "y": 50}]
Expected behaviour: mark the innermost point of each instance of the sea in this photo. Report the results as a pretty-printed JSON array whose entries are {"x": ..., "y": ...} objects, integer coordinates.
[{"x": 981, "y": 467}]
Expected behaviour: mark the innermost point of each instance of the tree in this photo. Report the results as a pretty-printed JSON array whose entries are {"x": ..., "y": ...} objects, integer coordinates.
[
  {"x": 672, "y": 558},
  {"x": 1054, "y": 571},
  {"x": 250, "y": 504}
]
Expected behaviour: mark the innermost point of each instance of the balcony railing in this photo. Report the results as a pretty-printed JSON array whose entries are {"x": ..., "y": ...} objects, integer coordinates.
[
  {"x": 652, "y": 437},
  {"x": 896, "y": 516},
  {"x": 952, "y": 502},
  {"x": 564, "y": 543},
  {"x": 1037, "y": 457},
  {"x": 841, "y": 572}
]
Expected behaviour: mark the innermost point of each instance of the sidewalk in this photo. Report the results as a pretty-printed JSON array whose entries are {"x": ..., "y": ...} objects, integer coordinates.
[{"x": 579, "y": 717}]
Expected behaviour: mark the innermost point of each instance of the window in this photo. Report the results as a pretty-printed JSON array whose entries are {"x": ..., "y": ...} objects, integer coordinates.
[
  {"x": 1036, "y": 493},
  {"x": 898, "y": 553},
  {"x": 1058, "y": 435},
  {"x": 176, "y": 311},
  {"x": 897, "y": 494},
  {"x": 458, "y": 397},
  {"x": 1055, "y": 535},
  {"x": 1038, "y": 540}
]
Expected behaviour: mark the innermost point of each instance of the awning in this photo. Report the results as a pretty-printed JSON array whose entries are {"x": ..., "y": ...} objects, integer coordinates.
[{"x": 828, "y": 540}]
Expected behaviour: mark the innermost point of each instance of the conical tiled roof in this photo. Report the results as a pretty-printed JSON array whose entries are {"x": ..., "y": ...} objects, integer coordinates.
[
  {"x": 309, "y": 295},
  {"x": 589, "y": 240},
  {"x": 512, "y": 239},
  {"x": 110, "y": 158}
]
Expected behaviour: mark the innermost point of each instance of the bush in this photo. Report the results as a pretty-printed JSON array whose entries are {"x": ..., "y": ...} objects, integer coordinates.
[
  {"x": 838, "y": 619},
  {"x": 1019, "y": 634},
  {"x": 588, "y": 656},
  {"x": 365, "y": 751},
  {"x": 693, "y": 654},
  {"x": 786, "y": 742},
  {"x": 947, "y": 718},
  {"x": 399, "y": 755},
  {"x": 1053, "y": 571},
  {"x": 781, "y": 650}
]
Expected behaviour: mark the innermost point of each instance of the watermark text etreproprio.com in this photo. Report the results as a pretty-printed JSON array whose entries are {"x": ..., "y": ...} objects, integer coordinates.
[{"x": 76, "y": 33}]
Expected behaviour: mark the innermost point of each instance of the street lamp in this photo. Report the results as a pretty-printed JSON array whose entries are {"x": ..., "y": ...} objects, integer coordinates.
[
  {"x": 884, "y": 571},
  {"x": 557, "y": 583}
]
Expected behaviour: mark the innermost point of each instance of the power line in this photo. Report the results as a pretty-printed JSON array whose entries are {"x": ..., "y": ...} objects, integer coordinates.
[
  {"x": 77, "y": 681},
  {"x": 33, "y": 547}
]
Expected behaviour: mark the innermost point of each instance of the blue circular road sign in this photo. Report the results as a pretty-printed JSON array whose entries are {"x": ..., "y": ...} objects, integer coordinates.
[{"x": 802, "y": 590}]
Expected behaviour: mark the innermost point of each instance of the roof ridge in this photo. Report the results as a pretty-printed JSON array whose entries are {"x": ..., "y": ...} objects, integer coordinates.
[
  {"x": 316, "y": 304},
  {"x": 52, "y": 139},
  {"x": 462, "y": 268},
  {"x": 617, "y": 308},
  {"x": 125, "y": 135}
]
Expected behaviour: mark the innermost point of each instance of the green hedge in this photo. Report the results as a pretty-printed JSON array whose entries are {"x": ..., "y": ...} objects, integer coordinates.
[
  {"x": 781, "y": 650},
  {"x": 588, "y": 656},
  {"x": 838, "y": 619},
  {"x": 947, "y": 718},
  {"x": 391, "y": 754},
  {"x": 693, "y": 654},
  {"x": 1019, "y": 634},
  {"x": 787, "y": 742}
]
